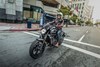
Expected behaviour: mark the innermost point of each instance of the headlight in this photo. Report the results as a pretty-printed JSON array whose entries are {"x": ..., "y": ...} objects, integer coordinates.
[{"x": 43, "y": 31}]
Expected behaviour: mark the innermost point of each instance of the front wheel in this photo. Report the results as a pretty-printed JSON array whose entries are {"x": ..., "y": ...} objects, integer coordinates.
[{"x": 36, "y": 49}]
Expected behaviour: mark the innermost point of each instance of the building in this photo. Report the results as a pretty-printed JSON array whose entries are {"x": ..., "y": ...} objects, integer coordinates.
[
  {"x": 50, "y": 7},
  {"x": 91, "y": 12},
  {"x": 19, "y": 9},
  {"x": 78, "y": 6},
  {"x": 81, "y": 8},
  {"x": 88, "y": 11},
  {"x": 11, "y": 9}
]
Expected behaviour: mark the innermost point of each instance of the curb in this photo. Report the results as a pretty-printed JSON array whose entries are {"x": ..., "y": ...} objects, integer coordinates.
[{"x": 22, "y": 30}]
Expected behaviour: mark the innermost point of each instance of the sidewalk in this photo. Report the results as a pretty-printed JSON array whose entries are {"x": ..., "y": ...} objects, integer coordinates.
[
  {"x": 23, "y": 27},
  {"x": 17, "y": 27}
]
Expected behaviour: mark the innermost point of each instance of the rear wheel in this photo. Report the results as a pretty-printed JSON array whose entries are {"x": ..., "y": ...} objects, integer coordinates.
[{"x": 36, "y": 49}]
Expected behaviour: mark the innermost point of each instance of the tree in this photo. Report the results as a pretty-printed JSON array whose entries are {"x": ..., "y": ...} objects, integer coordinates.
[
  {"x": 79, "y": 22},
  {"x": 74, "y": 18},
  {"x": 89, "y": 23},
  {"x": 97, "y": 23},
  {"x": 64, "y": 10}
]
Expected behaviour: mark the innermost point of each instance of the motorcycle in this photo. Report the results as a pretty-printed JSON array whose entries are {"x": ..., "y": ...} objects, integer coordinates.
[{"x": 48, "y": 36}]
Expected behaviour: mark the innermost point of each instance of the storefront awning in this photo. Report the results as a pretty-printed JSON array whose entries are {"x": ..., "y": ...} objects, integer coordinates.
[
  {"x": 52, "y": 13},
  {"x": 50, "y": 1}
]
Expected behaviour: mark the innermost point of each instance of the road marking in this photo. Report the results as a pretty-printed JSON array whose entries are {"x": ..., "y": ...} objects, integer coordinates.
[
  {"x": 74, "y": 48},
  {"x": 81, "y": 38},
  {"x": 87, "y": 44},
  {"x": 87, "y": 31},
  {"x": 82, "y": 50},
  {"x": 37, "y": 33},
  {"x": 31, "y": 34}
]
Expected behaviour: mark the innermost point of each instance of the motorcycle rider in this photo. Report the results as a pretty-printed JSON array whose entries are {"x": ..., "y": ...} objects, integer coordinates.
[{"x": 59, "y": 24}]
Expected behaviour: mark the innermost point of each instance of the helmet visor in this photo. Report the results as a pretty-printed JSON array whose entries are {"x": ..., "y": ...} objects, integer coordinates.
[{"x": 58, "y": 14}]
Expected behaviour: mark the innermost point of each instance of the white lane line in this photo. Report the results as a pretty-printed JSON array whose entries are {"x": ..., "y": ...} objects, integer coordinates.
[
  {"x": 81, "y": 38},
  {"x": 87, "y": 44},
  {"x": 75, "y": 48},
  {"x": 36, "y": 32},
  {"x": 31, "y": 34},
  {"x": 87, "y": 31},
  {"x": 82, "y": 50}
]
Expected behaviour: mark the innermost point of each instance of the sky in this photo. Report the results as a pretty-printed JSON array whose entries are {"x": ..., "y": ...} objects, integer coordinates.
[{"x": 96, "y": 12}]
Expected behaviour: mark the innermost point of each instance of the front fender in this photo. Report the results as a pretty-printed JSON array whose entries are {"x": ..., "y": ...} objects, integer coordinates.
[{"x": 39, "y": 39}]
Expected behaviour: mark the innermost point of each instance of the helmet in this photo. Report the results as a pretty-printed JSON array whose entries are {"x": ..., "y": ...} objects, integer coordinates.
[{"x": 60, "y": 14}]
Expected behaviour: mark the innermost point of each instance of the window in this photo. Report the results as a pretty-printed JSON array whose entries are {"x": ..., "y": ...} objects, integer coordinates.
[
  {"x": 73, "y": 5},
  {"x": 81, "y": 11},
  {"x": 11, "y": 1},
  {"x": 80, "y": 6},
  {"x": 83, "y": 4}
]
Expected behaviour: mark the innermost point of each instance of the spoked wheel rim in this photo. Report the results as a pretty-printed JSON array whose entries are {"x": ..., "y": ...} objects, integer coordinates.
[{"x": 38, "y": 49}]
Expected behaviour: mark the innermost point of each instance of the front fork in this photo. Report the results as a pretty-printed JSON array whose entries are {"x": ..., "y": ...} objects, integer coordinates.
[{"x": 41, "y": 39}]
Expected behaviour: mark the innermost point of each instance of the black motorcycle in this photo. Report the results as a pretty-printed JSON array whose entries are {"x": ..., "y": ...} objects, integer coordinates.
[{"x": 48, "y": 36}]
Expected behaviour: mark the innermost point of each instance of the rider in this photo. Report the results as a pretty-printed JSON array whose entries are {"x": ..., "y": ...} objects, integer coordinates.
[{"x": 59, "y": 23}]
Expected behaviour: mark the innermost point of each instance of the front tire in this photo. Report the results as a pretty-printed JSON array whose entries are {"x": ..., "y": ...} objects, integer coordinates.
[{"x": 36, "y": 49}]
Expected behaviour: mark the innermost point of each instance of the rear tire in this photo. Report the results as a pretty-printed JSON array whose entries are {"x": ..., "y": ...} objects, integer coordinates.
[{"x": 36, "y": 49}]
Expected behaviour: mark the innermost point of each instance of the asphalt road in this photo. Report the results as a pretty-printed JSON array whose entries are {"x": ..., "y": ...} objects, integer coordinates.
[{"x": 81, "y": 48}]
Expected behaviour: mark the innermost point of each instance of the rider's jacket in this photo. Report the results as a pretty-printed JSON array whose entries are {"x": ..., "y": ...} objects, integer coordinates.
[{"x": 58, "y": 22}]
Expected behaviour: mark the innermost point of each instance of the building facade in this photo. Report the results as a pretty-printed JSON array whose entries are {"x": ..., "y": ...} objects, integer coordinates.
[
  {"x": 88, "y": 11},
  {"x": 11, "y": 9},
  {"x": 79, "y": 6},
  {"x": 49, "y": 6},
  {"x": 19, "y": 9}
]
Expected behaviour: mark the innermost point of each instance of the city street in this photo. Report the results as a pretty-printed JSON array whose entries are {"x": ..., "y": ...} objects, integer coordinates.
[{"x": 81, "y": 48}]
